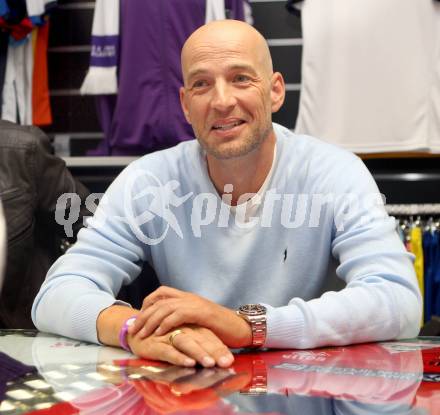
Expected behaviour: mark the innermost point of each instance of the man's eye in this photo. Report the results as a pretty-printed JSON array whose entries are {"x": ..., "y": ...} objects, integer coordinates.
[
  {"x": 241, "y": 78},
  {"x": 199, "y": 84}
]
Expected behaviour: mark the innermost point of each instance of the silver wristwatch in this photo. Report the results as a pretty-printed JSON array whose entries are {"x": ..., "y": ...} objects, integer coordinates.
[{"x": 255, "y": 315}]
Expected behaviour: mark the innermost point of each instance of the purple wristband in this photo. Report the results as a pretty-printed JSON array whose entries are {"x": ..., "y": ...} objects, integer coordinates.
[{"x": 123, "y": 333}]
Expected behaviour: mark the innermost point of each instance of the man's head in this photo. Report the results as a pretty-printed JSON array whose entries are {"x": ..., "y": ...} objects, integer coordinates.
[{"x": 230, "y": 90}]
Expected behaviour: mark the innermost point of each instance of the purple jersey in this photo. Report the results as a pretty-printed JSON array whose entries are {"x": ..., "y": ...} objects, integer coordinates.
[{"x": 146, "y": 115}]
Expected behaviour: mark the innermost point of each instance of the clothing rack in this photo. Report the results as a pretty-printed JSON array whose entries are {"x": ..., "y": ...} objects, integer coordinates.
[
  {"x": 413, "y": 209},
  {"x": 418, "y": 226}
]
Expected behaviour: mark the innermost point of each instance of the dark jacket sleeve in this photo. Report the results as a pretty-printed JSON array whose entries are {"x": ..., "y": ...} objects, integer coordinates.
[
  {"x": 52, "y": 179},
  {"x": 31, "y": 181}
]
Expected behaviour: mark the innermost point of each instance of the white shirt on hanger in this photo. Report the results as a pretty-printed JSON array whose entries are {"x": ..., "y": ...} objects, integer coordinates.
[
  {"x": 371, "y": 74},
  {"x": 17, "y": 87}
]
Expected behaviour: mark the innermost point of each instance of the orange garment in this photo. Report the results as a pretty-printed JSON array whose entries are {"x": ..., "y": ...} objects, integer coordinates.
[{"x": 41, "y": 112}]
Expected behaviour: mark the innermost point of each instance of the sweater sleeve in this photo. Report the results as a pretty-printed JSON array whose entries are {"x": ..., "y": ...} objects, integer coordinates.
[
  {"x": 381, "y": 299},
  {"x": 85, "y": 280}
]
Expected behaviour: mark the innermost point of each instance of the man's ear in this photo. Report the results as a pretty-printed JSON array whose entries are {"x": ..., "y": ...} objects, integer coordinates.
[
  {"x": 182, "y": 95},
  {"x": 277, "y": 91}
]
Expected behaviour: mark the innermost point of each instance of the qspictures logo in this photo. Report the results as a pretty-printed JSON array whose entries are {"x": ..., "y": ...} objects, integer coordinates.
[
  {"x": 145, "y": 198},
  {"x": 162, "y": 199}
]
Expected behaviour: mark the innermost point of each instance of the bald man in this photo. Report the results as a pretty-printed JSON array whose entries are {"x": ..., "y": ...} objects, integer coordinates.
[{"x": 243, "y": 226}]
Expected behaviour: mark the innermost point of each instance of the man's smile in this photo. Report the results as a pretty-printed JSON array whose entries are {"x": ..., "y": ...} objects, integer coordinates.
[
  {"x": 227, "y": 128},
  {"x": 227, "y": 124}
]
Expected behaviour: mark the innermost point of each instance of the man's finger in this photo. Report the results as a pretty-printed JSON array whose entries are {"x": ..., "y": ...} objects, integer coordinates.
[
  {"x": 215, "y": 347},
  {"x": 167, "y": 353},
  {"x": 155, "y": 318},
  {"x": 186, "y": 343},
  {"x": 143, "y": 319},
  {"x": 140, "y": 321},
  {"x": 177, "y": 319},
  {"x": 161, "y": 293}
]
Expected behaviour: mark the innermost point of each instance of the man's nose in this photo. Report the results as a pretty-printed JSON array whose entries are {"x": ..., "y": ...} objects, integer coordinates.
[{"x": 223, "y": 98}]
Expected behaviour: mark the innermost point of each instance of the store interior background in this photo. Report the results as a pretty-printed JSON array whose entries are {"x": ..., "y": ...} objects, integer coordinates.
[{"x": 403, "y": 178}]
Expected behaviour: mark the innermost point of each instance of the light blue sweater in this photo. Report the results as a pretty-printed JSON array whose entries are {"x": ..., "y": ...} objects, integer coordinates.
[{"x": 280, "y": 260}]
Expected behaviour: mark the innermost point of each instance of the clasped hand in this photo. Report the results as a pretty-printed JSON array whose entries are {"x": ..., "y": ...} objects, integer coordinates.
[
  {"x": 192, "y": 345},
  {"x": 167, "y": 309}
]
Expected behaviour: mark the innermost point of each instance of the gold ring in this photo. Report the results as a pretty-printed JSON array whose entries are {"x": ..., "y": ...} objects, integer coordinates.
[{"x": 173, "y": 334}]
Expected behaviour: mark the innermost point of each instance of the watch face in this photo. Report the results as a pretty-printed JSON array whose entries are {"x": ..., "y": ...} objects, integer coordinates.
[{"x": 252, "y": 309}]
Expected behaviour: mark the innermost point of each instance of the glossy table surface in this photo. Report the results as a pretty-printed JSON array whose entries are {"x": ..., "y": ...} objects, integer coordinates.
[{"x": 73, "y": 377}]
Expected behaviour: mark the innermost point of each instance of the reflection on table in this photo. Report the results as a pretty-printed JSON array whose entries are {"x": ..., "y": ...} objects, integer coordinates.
[{"x": 73, "y": 377}]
